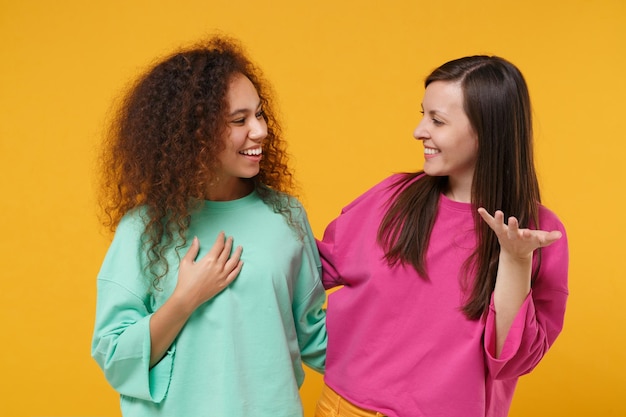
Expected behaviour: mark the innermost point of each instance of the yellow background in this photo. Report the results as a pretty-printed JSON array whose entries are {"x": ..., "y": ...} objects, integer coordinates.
[{"x": 349, "y": 79}]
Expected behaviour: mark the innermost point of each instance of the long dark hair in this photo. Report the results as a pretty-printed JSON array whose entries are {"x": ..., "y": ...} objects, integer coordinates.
[
  {"x": 160, "y": 151},
  {"x": 497, "y": 103}
]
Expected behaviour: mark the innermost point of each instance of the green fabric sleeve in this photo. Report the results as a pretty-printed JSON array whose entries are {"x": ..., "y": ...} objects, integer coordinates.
[
  {"x": 121, "y": 345},
  {"x": 309, "y": 298}
]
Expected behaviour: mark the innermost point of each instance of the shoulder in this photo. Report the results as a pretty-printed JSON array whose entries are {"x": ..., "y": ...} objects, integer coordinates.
[
  {"x": 126, "y": 243},
  {"x": 554, "y": 259},
  {"x": 289, "y": 203},
  {"x": 548, "y": 220},
  {"x": 134, "y": 221},
  {"x": 281, "y": 206},
  {"x": 383, "y": 191}
]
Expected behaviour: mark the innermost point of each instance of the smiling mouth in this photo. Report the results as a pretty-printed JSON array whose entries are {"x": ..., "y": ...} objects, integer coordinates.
[
  {"x": 431, "y": 151},
  {"x": 252, "y": 152}
]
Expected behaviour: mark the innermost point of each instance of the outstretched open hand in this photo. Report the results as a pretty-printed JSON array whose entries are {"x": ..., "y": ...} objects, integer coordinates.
[{"x": 517, "y": 242}]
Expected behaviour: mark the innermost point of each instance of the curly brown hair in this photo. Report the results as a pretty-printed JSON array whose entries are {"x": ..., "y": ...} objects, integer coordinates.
[{"x": 161, "y": 148}]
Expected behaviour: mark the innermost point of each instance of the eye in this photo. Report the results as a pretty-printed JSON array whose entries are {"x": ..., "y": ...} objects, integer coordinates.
[
  {"x": 437, "y": 122},
  {"x": 260, "y": 114}
]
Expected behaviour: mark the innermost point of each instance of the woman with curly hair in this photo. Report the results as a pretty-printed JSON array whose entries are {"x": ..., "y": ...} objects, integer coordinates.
[{"x": 184, "y": 329}]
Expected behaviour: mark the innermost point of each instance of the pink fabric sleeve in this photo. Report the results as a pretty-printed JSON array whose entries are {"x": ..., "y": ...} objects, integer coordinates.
[
  {"x": 326, "y": 247},
  {"x": 538, "y": 322}
]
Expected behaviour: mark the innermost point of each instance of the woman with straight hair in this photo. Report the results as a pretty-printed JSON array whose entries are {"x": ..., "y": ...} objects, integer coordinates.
[
  {"x": 442, "y": 305},
  {"x": 191, "y": 322}
]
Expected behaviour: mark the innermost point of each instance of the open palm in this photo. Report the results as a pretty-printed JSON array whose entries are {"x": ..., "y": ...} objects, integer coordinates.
[{"x": 517, "y": 242}]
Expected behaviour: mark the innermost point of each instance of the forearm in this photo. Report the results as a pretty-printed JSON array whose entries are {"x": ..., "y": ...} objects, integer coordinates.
[
  {"x": 165, "y": 325},
  {"x": 511, "y": 289}
]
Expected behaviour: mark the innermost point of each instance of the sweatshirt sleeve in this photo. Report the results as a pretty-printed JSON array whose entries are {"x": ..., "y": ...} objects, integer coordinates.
[
  {"x": 121, "y": 345},
  {"x": 326, "y": 247},
  {"x": 539, "y": 320},
  {"x": 343, "y": 242},
  {"x": 309, "y": 298},
  {"x": 121, "y": 337}
]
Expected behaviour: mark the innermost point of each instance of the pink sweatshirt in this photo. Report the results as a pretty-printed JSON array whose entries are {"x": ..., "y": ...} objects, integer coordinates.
[{"x": 400, "y": 345}]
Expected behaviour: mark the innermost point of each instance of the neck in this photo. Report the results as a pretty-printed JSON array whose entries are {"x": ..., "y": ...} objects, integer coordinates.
[
  {"x": 228, "y": 190},
  {"x": 461, "y": 192}
]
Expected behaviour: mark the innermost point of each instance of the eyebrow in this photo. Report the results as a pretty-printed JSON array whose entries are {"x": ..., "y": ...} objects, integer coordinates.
[
  {"x": 245, "y": 110},
  {"x": 434, "y": 111}
]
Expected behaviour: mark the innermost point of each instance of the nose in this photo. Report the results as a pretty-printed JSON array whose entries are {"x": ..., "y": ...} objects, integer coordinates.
[
  {"x": 420, "y": 132},
  {"x": 258, "y": 129}
]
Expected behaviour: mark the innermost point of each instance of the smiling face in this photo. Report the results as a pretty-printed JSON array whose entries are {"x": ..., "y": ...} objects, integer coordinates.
[
  {"x": 240, "y": 159},
  {"x": 450, "y": 144}
]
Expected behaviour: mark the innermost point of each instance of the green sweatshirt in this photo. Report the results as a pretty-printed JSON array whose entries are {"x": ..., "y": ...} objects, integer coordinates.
[{"x": 241, "y": 353}]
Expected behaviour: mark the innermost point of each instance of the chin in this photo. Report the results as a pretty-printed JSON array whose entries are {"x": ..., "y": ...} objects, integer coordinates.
[
  {"x": 248, "y": 176},
  {"x": 433, "y": 172}
]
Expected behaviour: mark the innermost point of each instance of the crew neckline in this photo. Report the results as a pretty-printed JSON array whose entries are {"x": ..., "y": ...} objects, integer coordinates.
[
  {"x": 232, "y": 204},
  {"x": 454, "y": 205}
]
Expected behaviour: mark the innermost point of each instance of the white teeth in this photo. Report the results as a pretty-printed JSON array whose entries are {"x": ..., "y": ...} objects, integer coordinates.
[
  {"x": 430, "y": 151},
  {"x": 252, "y": 152}
]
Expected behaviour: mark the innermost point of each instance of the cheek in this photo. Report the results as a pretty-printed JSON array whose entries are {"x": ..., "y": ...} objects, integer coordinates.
[
  {"x": 227, "y": 147},
  {"x": 468, "y": 152},
  {"x": 472, "y": 143},
  {"x": 233, "y": 140},
  {"x": 473, "y": 152},
  {"x": 475, "y": 148}
]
